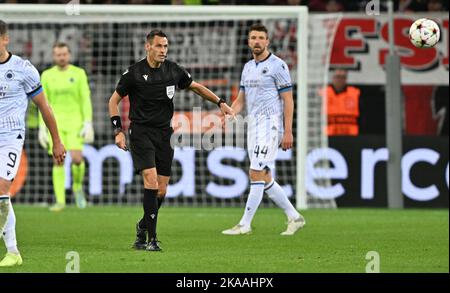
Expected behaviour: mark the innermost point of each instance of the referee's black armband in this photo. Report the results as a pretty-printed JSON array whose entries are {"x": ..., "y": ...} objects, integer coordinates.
[{"x": 116, "y": 124}]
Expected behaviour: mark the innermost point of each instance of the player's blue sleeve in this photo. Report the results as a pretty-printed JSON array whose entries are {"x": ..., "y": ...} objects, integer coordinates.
[
  {"x": 283, "y": 78},
  {"x": 241, "y": 84},
  {"x": 31, "y": 80}
]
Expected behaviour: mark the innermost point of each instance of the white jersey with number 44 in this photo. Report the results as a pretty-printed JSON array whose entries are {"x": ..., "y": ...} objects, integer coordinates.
[{"x": 263, "y": 82}]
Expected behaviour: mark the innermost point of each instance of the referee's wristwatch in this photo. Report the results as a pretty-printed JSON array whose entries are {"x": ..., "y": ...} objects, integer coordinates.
[{"x": 221, "y": 101}]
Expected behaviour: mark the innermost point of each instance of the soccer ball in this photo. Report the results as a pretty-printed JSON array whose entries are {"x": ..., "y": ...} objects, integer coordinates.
[{"x": 424, "y": 33}]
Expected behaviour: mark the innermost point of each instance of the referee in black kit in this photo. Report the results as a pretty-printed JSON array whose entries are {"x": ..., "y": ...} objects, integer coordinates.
[{"x": 151, "y": 85}]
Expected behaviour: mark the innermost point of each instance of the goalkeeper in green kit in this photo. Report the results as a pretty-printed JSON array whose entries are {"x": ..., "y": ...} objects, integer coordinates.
[{"x": 67, "y": 90}]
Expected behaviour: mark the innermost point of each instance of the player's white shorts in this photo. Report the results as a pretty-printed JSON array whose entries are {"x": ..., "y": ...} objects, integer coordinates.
[
  {"x": 10, "y": 154},
  {"x": 263, "y": 139}
]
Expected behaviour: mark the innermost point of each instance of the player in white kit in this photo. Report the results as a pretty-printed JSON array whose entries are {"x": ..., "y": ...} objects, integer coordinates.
[
  {"x": 266, "y": 90},
  {"x": 19, "y": 82}
]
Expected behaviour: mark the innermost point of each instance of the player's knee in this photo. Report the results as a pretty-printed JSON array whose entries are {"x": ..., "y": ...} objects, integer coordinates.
[
  {"x": 77, "y": 161},
  {"x": 262, "y": 175},
  {"x": 256, "y": 175},
  {"x": 77, "y": 158},
  {"x": 150, "y": 183},
  {"x": 4, "y": 186},
  {"x": 150, "y": 180}
]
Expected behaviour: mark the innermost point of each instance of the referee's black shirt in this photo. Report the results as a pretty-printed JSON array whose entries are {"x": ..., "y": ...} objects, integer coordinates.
[{"x": 151, "y": 91}]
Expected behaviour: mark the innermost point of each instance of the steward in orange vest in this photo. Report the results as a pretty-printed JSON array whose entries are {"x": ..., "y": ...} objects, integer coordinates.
[{"x": 342, "y": 106}]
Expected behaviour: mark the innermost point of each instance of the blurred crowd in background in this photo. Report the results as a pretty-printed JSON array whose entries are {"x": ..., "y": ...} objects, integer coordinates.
[{"x": 314, "y": 5}]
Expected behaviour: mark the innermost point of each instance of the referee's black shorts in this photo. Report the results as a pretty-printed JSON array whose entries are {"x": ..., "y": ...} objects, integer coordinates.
[{"x": 150, "y": 148}]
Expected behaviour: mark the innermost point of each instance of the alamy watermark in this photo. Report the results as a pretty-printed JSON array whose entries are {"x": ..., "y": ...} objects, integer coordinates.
[
  {"x": 73, "y": 264},
  {"x": 72, "y": 8},
  {"x": 209, "y": 130},
  {"x": 373, "y": 265},
  {"x": 373, "y": 8}
]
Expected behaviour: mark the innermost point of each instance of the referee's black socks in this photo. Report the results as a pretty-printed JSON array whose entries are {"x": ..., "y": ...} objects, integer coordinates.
[
  {"x": 142, "y": 223},
  {"x": 151, "y": 211},
  {"x": 160, "y": 201}
]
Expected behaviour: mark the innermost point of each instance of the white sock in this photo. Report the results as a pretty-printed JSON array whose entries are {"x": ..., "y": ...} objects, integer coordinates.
[
  {"x": 254, "y": 199},
  {"x": 277, "y": 194},
  {"x": 9, "y": 232},
  {"x": 4, "y": 211}
]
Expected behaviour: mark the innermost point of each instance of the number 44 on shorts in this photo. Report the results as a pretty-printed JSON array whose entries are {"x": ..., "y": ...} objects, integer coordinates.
[{"x": 263, "y": 151}]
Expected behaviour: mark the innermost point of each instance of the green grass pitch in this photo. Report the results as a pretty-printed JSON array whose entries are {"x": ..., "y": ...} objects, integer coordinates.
[{"x": 332, "y": 241}]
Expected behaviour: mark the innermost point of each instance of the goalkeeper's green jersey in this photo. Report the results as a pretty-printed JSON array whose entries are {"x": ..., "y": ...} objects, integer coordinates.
[{"x": 69, "y": 96}]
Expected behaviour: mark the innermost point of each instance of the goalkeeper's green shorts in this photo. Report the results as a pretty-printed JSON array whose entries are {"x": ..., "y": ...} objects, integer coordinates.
[{"x": 71, "y": 140}]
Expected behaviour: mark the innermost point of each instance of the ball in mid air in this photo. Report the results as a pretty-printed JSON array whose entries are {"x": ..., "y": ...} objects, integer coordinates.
[{"x": 424, "y": 33}]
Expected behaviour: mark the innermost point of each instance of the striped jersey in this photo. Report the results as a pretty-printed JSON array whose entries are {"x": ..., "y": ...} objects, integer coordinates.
[
  {"x": 19, "y": 82},
  {"x": 262, "y": 83}
]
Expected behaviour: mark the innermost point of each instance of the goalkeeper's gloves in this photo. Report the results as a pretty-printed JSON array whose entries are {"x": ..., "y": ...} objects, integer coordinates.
[
  {"x": 87, "y": 133},
  {"x": 43, "y": 137}
]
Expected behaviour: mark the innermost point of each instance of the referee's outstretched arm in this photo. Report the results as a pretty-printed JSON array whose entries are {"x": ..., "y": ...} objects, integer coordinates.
[{"x": 207, "y": 94}]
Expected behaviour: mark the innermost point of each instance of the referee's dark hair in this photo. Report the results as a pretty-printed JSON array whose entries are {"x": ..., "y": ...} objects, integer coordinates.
[
  {"x": 3, "y": 27},
  {"x": 259, "y": 27},
  {"x": 151, "y": 35}
]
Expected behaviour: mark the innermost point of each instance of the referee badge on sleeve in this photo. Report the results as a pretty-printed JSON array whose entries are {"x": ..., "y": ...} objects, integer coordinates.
[{"x": 170, "y": 91}]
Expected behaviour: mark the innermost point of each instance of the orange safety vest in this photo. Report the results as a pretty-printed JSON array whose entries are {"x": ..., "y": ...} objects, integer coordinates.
[{"x": 343, "y": 111}]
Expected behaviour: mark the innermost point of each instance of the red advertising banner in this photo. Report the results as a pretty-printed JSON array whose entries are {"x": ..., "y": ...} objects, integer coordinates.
[{"x": 361, "y": 45}]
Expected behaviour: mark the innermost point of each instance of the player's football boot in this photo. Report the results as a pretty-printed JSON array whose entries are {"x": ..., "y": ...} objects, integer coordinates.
[
  {"x": 141, "y": 238},
  {"x": 238, "y": 230},
  {"x": 11, "y": 260},
  {"x": 153, "y": 245},
  {"x": 80, "y": 199},
  {"x": 294, "y": 225},
  {"x": 57, "y": 207}
]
